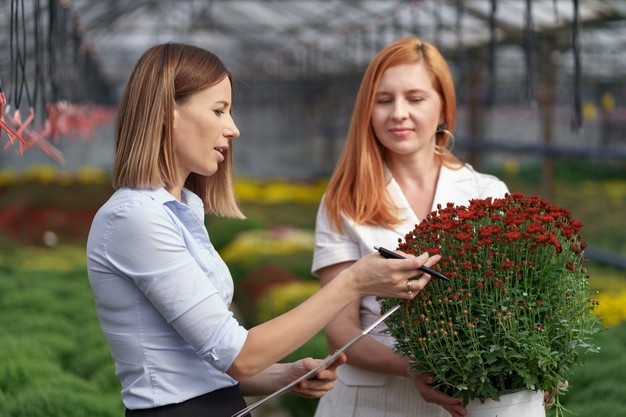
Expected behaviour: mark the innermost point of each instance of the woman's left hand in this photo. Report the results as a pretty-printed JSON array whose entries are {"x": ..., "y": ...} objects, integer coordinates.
[
  {"x": 321, "y": 384},
  {"x": 423, "y": 383}
]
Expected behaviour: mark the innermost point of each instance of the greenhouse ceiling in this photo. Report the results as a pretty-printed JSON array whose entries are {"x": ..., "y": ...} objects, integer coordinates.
[{"x": 288, "y": 39}]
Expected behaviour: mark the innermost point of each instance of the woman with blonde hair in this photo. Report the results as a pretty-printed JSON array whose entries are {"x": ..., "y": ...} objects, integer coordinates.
[
  {"x": 161, "y": 290},
  {"x": 395, "y": 168}
]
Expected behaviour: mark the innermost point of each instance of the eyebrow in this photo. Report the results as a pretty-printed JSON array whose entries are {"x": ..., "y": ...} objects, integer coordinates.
[
  {"x": 413, "y": 91},
  {"x": 223, "y": 103}
]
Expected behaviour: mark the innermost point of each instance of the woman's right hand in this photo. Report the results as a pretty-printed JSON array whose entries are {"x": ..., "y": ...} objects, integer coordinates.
[{"x": 378, "y": 276}]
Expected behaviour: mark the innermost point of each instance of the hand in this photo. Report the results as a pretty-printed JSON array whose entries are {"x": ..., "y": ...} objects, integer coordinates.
[
  {"x": 375, "y": 275},
  {"x": 423, "y": 383},
  {"x": 321, "y": 384},
  {"x": 549, "y": 398}
]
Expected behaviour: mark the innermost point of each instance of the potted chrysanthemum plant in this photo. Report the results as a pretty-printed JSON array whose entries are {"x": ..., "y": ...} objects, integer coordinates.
[{"x": 516, "y": 316}]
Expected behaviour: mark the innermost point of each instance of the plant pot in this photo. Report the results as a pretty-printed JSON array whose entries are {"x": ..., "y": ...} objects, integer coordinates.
[{"x": 524, "y": 403}]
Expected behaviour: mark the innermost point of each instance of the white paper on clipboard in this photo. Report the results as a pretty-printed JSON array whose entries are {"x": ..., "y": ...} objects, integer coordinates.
[{"x": 321, "y": 366}]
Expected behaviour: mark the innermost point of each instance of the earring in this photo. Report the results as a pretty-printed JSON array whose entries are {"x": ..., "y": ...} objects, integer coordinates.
[{"x": 443, "y": 135}]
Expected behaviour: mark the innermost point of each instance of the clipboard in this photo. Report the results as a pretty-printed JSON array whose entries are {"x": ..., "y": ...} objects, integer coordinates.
[{"x": 321, "y": 366}]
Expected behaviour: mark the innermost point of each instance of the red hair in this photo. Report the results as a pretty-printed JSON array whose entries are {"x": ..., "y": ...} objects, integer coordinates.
[{"x": 357, "y": 187}]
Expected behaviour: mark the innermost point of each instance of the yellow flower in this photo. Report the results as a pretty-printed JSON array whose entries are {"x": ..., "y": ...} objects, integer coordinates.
[
  {"x": 612, "y": 308},
  {"x": 92, "y": 175},
  {"x": 279, "y": 191},
  {"x": 259, "y": 243},
  {"x": 40, "y": 173},
  {"x": 7, "y": 177}
]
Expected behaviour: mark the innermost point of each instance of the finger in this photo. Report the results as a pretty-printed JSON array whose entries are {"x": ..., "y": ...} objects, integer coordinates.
[
  {"x": 426, "y": 378},
  {"x": 432, "y": 260},
  {"x": 331, "y": 371},
  {"x": 418, "y": 284},
  {"x": 431, "y": 394},
  {"x": 341, "y": 359},
  {"x": 312, "y": 388},
  {"x": 306, "y": 364}
]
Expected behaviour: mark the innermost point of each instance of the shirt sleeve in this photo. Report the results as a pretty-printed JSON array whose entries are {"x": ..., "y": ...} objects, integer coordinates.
[
  {"x": 492, "y": 187},
  {"x": 332, "y": 247},
  {"x": 145, "y": 245}
]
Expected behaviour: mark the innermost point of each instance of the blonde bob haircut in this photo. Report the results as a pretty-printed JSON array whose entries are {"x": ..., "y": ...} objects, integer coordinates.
[
  {"x": 166, "y": 74},
  {"x": 357, "y": 188}
]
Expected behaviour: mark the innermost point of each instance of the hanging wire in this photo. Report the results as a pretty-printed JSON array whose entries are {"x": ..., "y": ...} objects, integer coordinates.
[
  {"x": 492, "y": 55},
  {"x": 555, "y": 7},
  {"x": 18, "y": 51},
  {"x": 458, "y": 26},
  {"x": 459, "y": 53},
  {"x": 438, "y": 23},
  {"x": 39, "y": 81},
  {"x": 577, "y": 119},
  {"x": 56, "y": 47},
  {"x": 528, "y": 51}
]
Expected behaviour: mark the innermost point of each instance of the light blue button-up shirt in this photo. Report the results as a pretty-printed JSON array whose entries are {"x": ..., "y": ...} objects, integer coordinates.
[{"x": 162, "y": 294}]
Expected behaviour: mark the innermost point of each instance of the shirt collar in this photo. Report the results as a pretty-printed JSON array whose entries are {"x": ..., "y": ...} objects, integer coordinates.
[
  {"x": 160, "y": 195},
  {"x": 189, "y": 199}
]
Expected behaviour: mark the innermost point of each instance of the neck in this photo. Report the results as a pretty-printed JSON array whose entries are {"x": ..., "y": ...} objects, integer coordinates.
[
  {"x": 177, "y": 192},
  {"x": 416, "y": 170}
]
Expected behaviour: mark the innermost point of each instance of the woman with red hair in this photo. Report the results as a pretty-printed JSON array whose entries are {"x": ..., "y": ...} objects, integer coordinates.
[{"x": 395, "y": 168}]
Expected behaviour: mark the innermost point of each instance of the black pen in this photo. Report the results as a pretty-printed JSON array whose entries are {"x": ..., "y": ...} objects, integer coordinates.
[{"x": 386, "y": 253}]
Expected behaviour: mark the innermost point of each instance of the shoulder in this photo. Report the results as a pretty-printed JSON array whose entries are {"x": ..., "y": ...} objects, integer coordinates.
[
  {"x": 478, "y": 184},
  {"x": 129, "y": 201},
  {"x": 131, "y": 209}
]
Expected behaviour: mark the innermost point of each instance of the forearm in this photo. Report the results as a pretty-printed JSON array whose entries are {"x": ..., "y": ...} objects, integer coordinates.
[
  {"x": 266, "y": 382},
  {"x": 271, "y": 341}
]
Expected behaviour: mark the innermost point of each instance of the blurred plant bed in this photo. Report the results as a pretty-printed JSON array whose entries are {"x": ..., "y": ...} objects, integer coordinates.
[
  {"x": 44, "y": 198},
  {"x": 260, "y": 259},
  {"x": 43, "y": 205}
]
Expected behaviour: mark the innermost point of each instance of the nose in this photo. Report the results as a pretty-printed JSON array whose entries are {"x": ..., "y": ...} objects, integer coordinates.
[
  {"x": 400, "y": 110},
  {"x": 232, "y": 132}
]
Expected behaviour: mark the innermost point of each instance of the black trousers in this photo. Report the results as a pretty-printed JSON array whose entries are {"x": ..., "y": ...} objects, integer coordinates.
[{"x": 221, "y": 403}]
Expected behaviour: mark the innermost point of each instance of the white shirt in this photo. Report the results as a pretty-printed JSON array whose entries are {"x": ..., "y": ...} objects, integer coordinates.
[{"x": 162, "y": 294}]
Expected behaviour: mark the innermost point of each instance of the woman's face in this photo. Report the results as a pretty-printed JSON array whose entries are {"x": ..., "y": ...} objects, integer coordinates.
[
  {"x": 203, "y": 129},
  {"x": 407, "y": 110}
]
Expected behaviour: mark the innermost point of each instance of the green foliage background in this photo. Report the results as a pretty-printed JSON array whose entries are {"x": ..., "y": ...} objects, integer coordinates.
[{"x": 54, "y": 359}]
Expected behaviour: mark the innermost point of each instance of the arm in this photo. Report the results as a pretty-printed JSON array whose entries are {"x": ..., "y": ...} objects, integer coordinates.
[{"x": 371, "y": 275}]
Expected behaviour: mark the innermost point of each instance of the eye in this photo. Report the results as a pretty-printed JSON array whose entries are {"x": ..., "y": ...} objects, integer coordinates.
[
  {"x": 218, "y": 112},
  {"x": 384, "y": 100},
  {"x": 415, "y": 99}
]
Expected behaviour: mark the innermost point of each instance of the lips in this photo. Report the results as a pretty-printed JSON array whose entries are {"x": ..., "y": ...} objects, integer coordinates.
[
  {"x": 400, "y": 131},
  {"x": 221, "y": 151}
]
